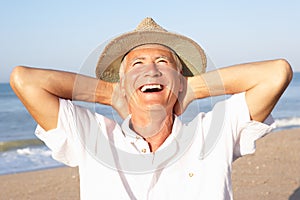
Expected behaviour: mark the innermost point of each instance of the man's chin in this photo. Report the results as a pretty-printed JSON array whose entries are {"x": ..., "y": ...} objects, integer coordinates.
[
  {"x": 153, "y": 107},
  {"x": 158, "y": 109},
  {"x": 149, "y": 107}
]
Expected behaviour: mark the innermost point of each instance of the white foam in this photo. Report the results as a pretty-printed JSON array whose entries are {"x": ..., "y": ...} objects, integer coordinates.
[
  {"x": 26, "y": 159},
  {"x": 25, "y": 151},
  {"x": 34, "y": 151},
  {"x": 286, "y": 122}
]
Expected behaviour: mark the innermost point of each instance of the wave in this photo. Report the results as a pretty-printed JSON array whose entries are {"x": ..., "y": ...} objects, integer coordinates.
[
  {"x": 33, "y": 151},
  {"x": 9, "y": 145},
  {"x": 27, "y": 159},
  {"x": 286, "y": 123}
]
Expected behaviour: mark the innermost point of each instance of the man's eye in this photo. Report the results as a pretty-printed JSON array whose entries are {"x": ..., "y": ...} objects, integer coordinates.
[
  {"x": 137, "y": 63},
  {"x": 162, "y": 61}
]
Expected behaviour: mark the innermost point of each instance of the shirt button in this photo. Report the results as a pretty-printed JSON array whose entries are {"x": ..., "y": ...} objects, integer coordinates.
[
  {"x": 144, "y": 150},
  {"x": 191, "y": 174}
]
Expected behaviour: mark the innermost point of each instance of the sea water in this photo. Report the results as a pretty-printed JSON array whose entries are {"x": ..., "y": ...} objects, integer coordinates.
[{"x": 20, "y": 150}]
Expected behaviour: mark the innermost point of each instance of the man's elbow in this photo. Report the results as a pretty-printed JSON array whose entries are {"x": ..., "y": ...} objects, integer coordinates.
[
  {"x": 284, "y": 73},
  {"x": 17, "y": 78}
]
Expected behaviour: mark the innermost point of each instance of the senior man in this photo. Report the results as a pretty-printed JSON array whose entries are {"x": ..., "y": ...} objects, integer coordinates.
[{"x": 150, "y": 76}]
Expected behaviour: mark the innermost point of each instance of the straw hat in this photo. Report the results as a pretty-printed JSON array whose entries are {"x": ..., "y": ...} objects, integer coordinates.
[{"x": 149, "y": 32}]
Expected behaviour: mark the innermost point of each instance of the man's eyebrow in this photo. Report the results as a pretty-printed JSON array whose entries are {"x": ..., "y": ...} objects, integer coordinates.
[
  {"x": 137, "y": 58},
  {"x": 164, "y": 57}
]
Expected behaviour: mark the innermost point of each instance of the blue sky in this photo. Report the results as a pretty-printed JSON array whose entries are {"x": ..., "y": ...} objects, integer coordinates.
[{"x": 61, "y": 34}]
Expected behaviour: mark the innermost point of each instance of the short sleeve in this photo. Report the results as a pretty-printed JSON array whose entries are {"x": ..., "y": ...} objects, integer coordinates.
[
  {"x": 63, "y": 140},
  {"x": 245, "y": 131}
]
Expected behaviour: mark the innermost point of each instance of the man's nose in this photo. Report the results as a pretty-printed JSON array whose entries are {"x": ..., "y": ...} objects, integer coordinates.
[{"x": 152, "y": 70}]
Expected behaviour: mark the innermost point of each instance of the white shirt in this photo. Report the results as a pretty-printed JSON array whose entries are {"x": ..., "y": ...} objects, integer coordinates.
[{"x": 193, "y": 163}]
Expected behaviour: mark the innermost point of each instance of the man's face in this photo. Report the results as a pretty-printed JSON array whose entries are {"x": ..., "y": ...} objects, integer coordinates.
[{"x": 151, "y": 78}]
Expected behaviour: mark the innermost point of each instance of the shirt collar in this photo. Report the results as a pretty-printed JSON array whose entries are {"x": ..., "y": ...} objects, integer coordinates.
[{"x": 133, "y": 137}]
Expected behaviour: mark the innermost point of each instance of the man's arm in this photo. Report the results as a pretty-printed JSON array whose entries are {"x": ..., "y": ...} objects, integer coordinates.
[
  {"x": 264, "y": 82},
  {"x": 40, "y": 90}
]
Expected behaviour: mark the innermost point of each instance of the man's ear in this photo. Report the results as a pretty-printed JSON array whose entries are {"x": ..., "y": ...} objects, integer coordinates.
[
  {"x": 182, "y": 83},
  {"x": 122, "y": 86}
]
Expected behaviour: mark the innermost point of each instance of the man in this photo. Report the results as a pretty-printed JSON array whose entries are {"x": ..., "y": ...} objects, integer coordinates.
[{"x": 150, "y": 76}]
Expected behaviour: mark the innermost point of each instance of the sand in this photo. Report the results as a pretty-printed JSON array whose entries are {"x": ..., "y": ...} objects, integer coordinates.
[{"x": 273, "y": 172}]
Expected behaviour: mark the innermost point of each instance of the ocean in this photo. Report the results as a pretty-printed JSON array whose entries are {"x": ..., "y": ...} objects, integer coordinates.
[{"x": 20, "y": 150}]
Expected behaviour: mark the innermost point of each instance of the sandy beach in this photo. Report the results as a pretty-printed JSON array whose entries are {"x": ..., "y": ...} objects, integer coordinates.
[{"x": 273, "y": 172}]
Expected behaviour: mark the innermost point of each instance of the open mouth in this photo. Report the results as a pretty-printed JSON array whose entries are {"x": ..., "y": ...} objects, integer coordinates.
[{"x": 151, "y": 88}]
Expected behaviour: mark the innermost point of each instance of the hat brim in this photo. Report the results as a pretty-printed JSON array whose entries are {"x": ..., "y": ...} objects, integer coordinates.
[{"x": 190, "y": 53}]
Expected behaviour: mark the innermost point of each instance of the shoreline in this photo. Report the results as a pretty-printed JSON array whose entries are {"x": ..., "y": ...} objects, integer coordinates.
[{"x": 273, "y": 172}]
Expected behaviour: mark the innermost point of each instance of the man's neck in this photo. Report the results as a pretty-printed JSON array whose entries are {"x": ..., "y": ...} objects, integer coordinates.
[{"x": 154, "y": 127}]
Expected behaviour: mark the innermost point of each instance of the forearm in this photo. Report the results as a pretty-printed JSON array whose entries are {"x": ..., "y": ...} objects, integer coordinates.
[
  {"x": 40, "y": 89},
  {"x": 264, "y": 82},
  {"x": 239, "y": 78},
  {"x": 90, "y": 89},
  {"x": 65, "y": 85}
]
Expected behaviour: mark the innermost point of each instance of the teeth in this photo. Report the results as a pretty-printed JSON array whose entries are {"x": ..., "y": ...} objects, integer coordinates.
[{"x": 151, "y": 87}]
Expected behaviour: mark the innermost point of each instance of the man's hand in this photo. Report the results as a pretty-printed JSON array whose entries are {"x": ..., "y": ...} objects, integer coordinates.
[
  {"x": 118, "y": 101},
  {"x": 185, "y": 97}
]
